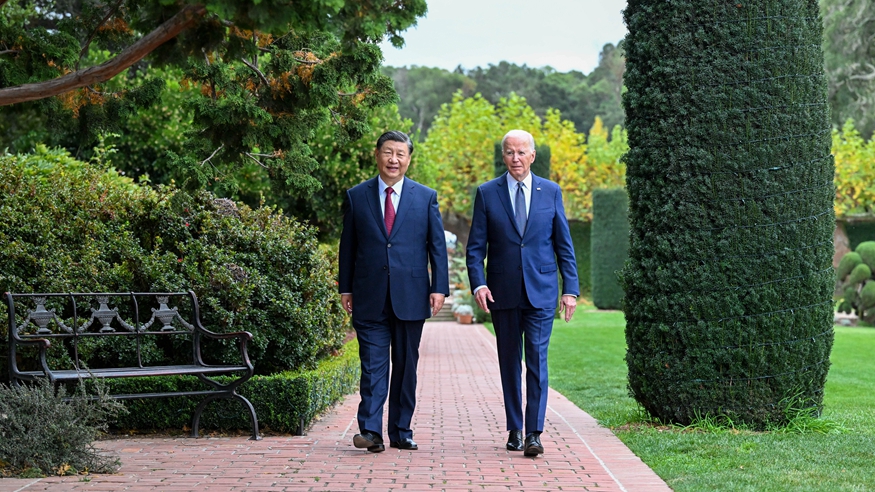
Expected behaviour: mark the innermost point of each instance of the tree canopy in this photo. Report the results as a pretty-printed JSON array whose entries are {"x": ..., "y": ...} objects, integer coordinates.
[{"x": 261, "y": 74}]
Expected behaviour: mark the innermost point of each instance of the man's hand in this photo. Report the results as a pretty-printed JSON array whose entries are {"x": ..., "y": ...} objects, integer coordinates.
[
  {"x": 346, "y": 302},
  {"x": 481, "y": 296},
  {"x": 568, "y": 304},
  {"x": 437, "y": 302}
]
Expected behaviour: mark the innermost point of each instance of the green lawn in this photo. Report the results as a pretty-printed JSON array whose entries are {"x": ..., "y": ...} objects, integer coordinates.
[{"x": 587, "y": 366}]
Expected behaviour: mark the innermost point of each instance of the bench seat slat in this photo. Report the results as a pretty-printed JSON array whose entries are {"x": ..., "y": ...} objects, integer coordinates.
[{"x": 132, "y": 372}]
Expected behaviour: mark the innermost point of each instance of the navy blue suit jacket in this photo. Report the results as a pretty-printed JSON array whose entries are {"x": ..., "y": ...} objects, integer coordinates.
[
  {"x": 512, "y": 258},
  {"x": 368, "y": 255}
]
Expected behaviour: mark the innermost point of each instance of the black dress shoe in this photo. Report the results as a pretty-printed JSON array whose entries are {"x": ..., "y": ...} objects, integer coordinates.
[
  {"x": 406, "y": 443},
  {"x": 515, "y": 440},
  {"x": 533, "y": 445},
  {"x": 370, "y": 441}
]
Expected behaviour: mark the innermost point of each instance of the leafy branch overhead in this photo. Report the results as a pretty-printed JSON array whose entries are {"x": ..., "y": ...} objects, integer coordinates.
[{"x": 265, "y": 73}]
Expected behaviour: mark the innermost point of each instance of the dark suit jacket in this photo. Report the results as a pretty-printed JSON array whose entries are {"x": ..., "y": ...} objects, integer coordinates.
[
  {"x": 513, "y": 258},
  {"x": 368, "y": 255}
]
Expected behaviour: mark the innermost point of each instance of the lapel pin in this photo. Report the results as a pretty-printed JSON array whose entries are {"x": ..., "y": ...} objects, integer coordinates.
[{"x": 539, "y": 189}]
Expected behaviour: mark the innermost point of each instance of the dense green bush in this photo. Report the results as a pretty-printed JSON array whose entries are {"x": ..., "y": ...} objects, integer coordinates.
[
  {"x": 581, "y": 238},
  {"x": 857, "y": 281},
  {"x": 69, "y": 226},
  {"x": 610, "y": 245},
  {"x": 730, "y": 181},
  {"x": 40, "y": 431},
  {"x": 285, "y": 402},
  {"x": 858, "y": 232}
]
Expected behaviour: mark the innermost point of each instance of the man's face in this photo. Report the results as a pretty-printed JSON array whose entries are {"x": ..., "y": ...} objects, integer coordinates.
[
  {"x": 393, "y": 158},
  {"x": 518, "y": 157}
]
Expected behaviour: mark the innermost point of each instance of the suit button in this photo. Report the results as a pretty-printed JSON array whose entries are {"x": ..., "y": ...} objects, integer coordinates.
[
  {"x": 520, "y": 267},
  {"x": 384, "y": 267},
  {"x": 522, "y": 245},
  {"x": 389, "y": 245}
]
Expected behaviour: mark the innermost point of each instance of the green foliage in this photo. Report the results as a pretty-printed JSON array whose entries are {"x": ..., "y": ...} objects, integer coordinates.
[
  {"x": 856, "y": 281},
  {"x": 855, "y": 175},
  {"x": 70, "y": 227},
  {"x": 285, "y": 402},
  {"x": 730, "y": 182},
  {"x": 848, "y": 29},
  {"x": 847, "y": 264},
  {"x": 581, "y": 237},
  {"x": 610, "y": 245},
  {"x": 43, "y": 431},
  {"x": 259, "y": 77},
  {"x": 859, "y": 232},
  {"x": 422, "y": 91}
]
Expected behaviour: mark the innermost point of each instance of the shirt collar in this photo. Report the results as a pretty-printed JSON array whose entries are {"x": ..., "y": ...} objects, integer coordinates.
[
  {"x": 395, "y": 187},
  {"x": 527, "y": 181}
]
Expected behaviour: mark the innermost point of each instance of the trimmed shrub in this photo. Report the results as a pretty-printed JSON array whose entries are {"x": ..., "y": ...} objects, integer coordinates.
[
  {"x": 580, "y": 237},
  {"x": 71, "y": 227},
  {"x": 730, "y": 181},
  {"x": 41, "y": 431},
  {"x": 859, "y": 231},
  {"x": 285, "y": 402},
  {"x": 610, "y": 245},
  {"x": 857, "y": 282}
]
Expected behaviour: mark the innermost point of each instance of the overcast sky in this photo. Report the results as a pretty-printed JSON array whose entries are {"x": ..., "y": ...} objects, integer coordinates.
[{"x": 564, "y": 34}]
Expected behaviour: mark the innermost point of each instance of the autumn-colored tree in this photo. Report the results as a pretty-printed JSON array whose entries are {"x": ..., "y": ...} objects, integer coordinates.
[
  {"x": 266, "y": 72},
  {"x": 855, "y": 172}
]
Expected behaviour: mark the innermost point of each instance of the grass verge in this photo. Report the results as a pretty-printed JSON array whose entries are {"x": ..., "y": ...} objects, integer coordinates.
[{"x": 834, "y": 453}]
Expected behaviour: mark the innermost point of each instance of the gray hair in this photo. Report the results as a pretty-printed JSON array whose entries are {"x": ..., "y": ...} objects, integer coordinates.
[{"x": 518, "y": 133}]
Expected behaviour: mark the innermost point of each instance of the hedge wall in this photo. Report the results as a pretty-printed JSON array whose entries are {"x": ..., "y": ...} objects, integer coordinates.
[
  {"x": 730, "y": 182},
  {"x": 581, "y": 237},
  {"x": 610, "y": 245},
  {"x": 859, "y": 232},
  {"x": 285, "y": 402}
]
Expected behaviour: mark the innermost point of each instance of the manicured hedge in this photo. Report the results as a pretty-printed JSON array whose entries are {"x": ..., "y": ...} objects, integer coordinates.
[
  {"x": 858, "y": 232},
  {"x": 69, "y": 226},
  {"x": 730, "y": 181},
  {"x": 610, "y": 245},
  {"x": 580, "y": 237},
  {"x": 286, "y": 402}
]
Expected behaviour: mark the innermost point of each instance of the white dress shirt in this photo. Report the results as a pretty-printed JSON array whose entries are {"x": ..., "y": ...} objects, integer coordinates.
[{"x": 396, "y": 195}]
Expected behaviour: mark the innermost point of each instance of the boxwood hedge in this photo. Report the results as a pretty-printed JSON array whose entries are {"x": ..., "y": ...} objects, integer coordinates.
[
  {"x": 610, "y": 245},
  {"x": 730, "y": 181}
]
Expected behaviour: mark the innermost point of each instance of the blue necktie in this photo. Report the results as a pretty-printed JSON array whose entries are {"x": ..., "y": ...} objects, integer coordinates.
[{"x": 520, "y": 209}]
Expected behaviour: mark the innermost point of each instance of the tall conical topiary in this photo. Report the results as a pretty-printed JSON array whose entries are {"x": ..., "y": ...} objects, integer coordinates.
[{"x": 730, "y": 181}]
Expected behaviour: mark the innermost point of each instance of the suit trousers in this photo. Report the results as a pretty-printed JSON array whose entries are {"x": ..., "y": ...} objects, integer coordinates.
[
  {"x": 529, "y": 327},
  {"x": 377, "y": 340}
]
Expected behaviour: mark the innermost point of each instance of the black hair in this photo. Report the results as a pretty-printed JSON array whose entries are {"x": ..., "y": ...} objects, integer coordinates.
[{"x": 395, "y": 136}]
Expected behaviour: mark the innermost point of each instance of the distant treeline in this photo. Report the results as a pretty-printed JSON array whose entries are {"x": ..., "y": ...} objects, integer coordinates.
[{"x": 578, "y": 96}]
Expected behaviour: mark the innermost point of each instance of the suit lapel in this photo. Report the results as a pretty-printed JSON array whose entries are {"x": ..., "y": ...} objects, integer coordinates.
[
  {"x": 504, "y": 196},
  {"x": 374, "y": 204},
  {"x": 404, "y": 204},
  {"x": 535, "y": 200}
]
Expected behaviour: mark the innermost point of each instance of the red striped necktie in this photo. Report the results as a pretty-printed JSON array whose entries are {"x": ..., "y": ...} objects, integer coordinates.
[{"x": 389, "y": 214}]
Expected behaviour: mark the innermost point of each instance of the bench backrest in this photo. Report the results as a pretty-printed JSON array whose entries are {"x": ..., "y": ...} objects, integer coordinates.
[{"x": 74, "y": 323}]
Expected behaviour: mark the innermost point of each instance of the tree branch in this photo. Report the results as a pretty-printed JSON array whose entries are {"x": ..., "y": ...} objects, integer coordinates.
[
  {"x": 212, "y": 155},
  {"x": 867, "y": 77},
  {"x": 109, "y": 69},
  {"x": 247, "y": 154},
  {"x": 96, "y": 28},
  {"x": 6, "y": 52},
  {"x": 256, "y": 70}
]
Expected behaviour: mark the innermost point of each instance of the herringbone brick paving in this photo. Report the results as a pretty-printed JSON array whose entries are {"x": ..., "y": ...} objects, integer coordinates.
[{"x": 458, "y": 424}]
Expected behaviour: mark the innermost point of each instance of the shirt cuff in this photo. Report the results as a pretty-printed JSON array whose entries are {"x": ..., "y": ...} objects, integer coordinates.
[{"x": 478, "y": 288}]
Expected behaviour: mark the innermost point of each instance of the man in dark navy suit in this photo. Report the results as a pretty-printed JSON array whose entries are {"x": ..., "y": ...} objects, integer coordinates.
[
  {"x": 519, "y": 226},
  {"x": 392, "y": 232}
]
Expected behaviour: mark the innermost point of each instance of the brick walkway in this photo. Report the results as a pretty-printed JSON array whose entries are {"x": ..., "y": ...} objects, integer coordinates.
[{"x": 458, "y": 424}]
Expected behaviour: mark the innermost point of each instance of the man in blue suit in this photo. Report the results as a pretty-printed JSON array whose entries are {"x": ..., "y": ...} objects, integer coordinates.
[
  {"x": 519, "y": 226},
  {"x": 392, "y": 231}
]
